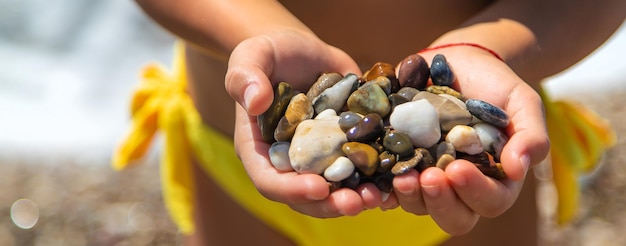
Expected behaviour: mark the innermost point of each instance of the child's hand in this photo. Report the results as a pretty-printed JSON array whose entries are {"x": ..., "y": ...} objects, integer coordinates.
[
  {"x": 297, "y": 58},
  {"x": 457, "y": 196}
]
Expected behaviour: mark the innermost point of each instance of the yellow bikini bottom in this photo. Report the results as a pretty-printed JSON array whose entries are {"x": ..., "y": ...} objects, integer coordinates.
[{"x": 161, "y": 103}]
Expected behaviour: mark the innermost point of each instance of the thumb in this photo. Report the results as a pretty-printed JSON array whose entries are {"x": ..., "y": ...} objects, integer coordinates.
[
  {"x": 247, "y": 78},
  {"x": 529, "y": 143}
]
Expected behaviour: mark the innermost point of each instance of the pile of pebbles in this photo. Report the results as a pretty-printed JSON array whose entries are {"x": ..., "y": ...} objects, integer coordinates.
[{"x": 354, "y": 129}]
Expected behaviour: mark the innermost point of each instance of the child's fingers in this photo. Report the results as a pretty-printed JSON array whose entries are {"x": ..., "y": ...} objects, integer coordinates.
[
  {"x": 342, "y": 202},
  {"x": 408, "y": 192},
  {"x": 370, "y": 195},
  {"x": 483, "y": 195},
  {"x": 285, "y": 187},
  {"x": 247, "y": 77},
  {"x": 443, "y": 205}
]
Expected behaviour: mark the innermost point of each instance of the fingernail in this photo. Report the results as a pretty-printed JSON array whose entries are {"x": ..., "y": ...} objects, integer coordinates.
[
  {"x": 431, "y": 190},
  {"x": 406, "y": 192},
  {"x": 525, "y": 161},
  {"x": 315, "y": 197},
  {"x": 459, "y": 180},
  {"x": 250, "y": 92}
]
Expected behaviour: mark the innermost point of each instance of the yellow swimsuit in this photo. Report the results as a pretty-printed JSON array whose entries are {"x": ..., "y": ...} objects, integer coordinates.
[{"x": 162, "y": 104}]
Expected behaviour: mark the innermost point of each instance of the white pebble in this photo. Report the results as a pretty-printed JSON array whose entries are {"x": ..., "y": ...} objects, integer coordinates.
[
  {"x": 279, "y": 156},
  {"x": 337, "y": 95},
  {"x": 339, "y": 170},
  {"x": 419, "y": 120},
  {"x": 492, "y": 139},
  {"x": 465, "y": 139},
  {"x": 326, "y": 114},
  {"x": 316, "y": 144}
]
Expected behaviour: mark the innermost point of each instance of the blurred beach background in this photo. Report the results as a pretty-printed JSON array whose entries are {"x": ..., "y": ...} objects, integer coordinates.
[{"x": 67, "y": 69}]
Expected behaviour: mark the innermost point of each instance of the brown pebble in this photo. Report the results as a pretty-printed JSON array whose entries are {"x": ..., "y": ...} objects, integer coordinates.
[
  {"x": 496, "y": 172},
  {"x": 387, "y": 161},
  {"x": 413, "y": 72},
  {"x": 444, "y": 160},
  {"x": 363, "y": 156},
  {"x": 427, "y": 160},
  {"x": 324, "y": 82},
  {"x": 402, "y": 167},
  {"x": 298, "y": 110},
  {"x": 383, "y": 69},
  {"x": 270, "y": 118}
]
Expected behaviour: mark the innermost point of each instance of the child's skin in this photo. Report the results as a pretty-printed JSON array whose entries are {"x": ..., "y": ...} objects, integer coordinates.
[{"x": 247, "y": 45}]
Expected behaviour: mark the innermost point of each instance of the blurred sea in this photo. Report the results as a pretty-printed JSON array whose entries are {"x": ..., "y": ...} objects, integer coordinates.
[{"x": 67, "y": 68}]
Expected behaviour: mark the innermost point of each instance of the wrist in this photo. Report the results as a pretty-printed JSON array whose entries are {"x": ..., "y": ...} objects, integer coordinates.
[
  {"x": 474, "y": 45},
  {"x": 511, "y": 40},
  {"x": 472, "y": 59},
  {"x": 457, "y": 53}
]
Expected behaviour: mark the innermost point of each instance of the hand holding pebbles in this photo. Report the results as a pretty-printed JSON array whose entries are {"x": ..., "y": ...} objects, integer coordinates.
[{"x": 387, "y": 125}]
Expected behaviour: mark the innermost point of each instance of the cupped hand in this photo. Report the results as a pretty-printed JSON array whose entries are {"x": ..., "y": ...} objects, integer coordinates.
[
  {"x": 459, "y": 195},
  {"x": 254, "y": 67}
]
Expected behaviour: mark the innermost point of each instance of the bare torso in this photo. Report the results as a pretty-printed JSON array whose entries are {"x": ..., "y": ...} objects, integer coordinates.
[{"x": 375, "y": 30}]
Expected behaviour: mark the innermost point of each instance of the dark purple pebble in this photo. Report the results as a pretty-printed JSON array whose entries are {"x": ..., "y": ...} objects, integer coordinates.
[{"x": 413, "y": 72}]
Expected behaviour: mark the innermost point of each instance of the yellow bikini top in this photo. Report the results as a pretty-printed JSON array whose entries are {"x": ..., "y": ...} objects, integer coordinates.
[{"x": 161, "y": 103}]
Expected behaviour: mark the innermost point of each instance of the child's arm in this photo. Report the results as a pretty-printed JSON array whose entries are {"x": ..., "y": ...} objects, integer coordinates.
[
  {"x": 539, "y": 38},
  {"x": 218, "y": 26}
]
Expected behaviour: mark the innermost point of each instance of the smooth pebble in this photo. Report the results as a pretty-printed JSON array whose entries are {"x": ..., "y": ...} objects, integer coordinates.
[
  {"x": 322, "y": 83},
  {"x": 339, "y": 170},
  {"x": 363, "y": 156},
  {"x": 444, "y": 160},
  {"x": 369, "y": 99},
  {"x": 383, "y": 69},
  {"x": 404, "y": 166},
  {"x": 449, "y": 112},
  {"x": 399, "y": 143},
  {"x": 298, "y": 110},
  {"x": 336, "y": 96},
  {"x": 419, "y": 120},
  {"x": 440, "y": 71},
  {"x": 315, "y": 158},
  {"x": 413, "y": 72},
  {"x": 465, "y": 139},
  {"x": 487, "y": 112},
  {"x": 270, "y": 118},
  {"x": 348, "y": 119},
  {"x": 492, "y": 139},
  {"x": 368, "y": 129},
  {"x": 279, "y": 156}
]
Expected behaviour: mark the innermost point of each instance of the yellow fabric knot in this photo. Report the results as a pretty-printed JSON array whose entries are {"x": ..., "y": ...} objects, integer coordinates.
[
  {"x": 578, "y": 140},
  {"x": 160, "y": 103}
]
